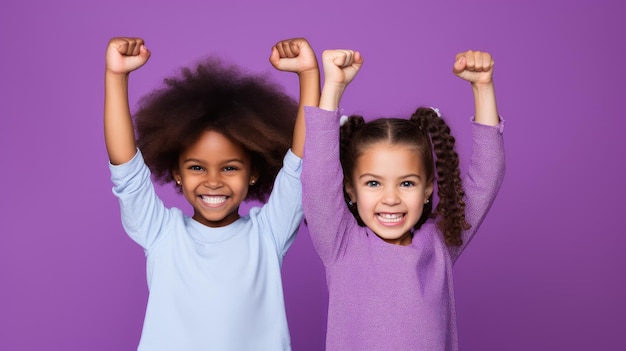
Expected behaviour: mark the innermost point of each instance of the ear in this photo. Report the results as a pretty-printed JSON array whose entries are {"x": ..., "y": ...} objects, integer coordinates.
[
  {"x": 253, "y": 178},
  {"x": 428, "y": 191},
  {"x": 350, "y": 190},
  {"x": 176, "y": 176}
]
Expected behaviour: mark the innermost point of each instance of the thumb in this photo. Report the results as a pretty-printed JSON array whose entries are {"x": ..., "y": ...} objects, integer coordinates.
[
  {"x": 343, "y": 58},
  {"x": 295, "y": 46},
  {"x": 274, "y": 56},
  {"x": 137, "y": 61},
  {"x": 459, "y": 65},
  {"x": 144, "y": 53},
  {"x": 358, "y": 59}
]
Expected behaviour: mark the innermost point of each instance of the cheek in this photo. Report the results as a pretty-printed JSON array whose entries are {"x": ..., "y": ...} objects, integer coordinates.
[
  {"x": 365, "y": 202},
  {"x": 188, "y": 192},
  {"x": 364, "y": 214},
  {"x": 362, "y": 197},
  {"x": 416, "y": 201},
  {"x": 242, "y": 184},
  {"x": 419, "y": 210}
]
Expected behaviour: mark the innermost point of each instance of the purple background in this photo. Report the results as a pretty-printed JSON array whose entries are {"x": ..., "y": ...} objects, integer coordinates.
[{"x": 547, "y": 270}]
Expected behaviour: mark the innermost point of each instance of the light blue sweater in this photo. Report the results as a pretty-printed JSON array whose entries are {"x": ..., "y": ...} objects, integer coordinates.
[{"x": 212, "y": 288}]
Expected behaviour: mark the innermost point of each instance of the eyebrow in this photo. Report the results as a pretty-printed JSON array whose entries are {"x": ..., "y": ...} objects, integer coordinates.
[
  {"x": 195, "y": 160},
  {"x": 412, "y": 175}
]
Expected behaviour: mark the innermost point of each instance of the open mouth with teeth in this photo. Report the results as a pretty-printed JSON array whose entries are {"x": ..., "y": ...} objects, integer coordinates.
[
  {"x": 213, "y": 201},
  {"x": 390, "y": 218}
]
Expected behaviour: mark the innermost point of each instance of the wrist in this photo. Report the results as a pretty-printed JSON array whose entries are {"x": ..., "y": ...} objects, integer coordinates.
[
  {"x": 334, "y": 86},
  {"x": 115, "y": 75},
  {"x": 482, "y": 86},
  {"x": 482, "y": 90},
  {"x": 331, "y": 96},
  {"x": 310, "y": 72}
]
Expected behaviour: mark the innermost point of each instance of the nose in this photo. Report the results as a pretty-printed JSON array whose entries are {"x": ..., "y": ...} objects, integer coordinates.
[
  {"x": 390, "y": 196},
  {"x": 213, "y": 180}
]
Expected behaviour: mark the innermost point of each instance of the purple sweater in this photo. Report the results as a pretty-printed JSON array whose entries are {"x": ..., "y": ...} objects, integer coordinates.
[{"x": 384, "y": 296}]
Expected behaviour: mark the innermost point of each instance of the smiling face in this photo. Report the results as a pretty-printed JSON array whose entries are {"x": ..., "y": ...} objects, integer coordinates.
[
  {"x": 389, "y": 187},
  {"x": 214, "y": 174}
]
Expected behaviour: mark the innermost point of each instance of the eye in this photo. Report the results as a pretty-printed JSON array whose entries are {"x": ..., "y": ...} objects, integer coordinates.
[
  {"x": 196, "y": 168},
  {"x": 407, "y": 183},
  {"x": 230, "y": 169},
  {"x": 372, "y": 184}
]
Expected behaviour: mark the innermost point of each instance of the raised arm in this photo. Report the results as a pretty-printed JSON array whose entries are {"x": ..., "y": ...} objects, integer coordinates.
[
  {"x": 328, "y": 217},
  {"x": 476, "y": 67},
  {"x": 340, "y": 68},
  {"x": 123, "y": 56},
  {"x": 296, "y": 55},
  {"x": 487, "y": 164}
]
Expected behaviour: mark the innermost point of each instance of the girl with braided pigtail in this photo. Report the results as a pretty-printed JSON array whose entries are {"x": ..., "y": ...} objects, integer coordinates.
[{"x": 368, "y": 191}]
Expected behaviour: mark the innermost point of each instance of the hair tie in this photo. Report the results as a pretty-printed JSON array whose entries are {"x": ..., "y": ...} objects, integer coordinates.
[
  {"x": 343, "y": 120},
  {"x": 436, "y": 111}
]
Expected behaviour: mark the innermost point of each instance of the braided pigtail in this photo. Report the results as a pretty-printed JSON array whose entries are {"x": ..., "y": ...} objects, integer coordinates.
[
  {"x": 347, "y": 156},
  {"x": 451, "y": 207}
]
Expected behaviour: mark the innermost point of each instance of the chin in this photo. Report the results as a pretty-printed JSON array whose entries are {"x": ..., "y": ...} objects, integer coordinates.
[{"x": 390, "y": 237}]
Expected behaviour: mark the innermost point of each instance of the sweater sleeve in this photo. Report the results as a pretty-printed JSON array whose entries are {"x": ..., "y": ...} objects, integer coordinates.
[
  {"x": 483, "y": 179},
  {"x": 282, "y": 214},
  {"x": 143, "y": 213},
  {"x": 325, "y": 211}
]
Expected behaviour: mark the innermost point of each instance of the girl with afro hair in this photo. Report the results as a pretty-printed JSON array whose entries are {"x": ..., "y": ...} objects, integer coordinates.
[{"x": 222, "y": 137}]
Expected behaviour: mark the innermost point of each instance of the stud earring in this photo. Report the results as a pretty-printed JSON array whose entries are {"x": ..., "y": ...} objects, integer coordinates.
[
  {"x": 178, "y": 182},
  {"x": 427, "y": 201},
  {"x": 252, "y": 182}
]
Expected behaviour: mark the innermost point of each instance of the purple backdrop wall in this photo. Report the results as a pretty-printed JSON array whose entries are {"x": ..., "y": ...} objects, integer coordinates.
[{"x": 547, "y": 271}]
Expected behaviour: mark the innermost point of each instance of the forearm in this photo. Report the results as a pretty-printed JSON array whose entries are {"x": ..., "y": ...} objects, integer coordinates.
[
  {"x": 118, "y": 127},
  {"x": 143, "y": 213},
  {"x": 486, "y": 110},
  {"x": 331, "y": 96},
  {"x": 483, "y": 179},
  {"x": 282, "y": 212},
  {"x": 309, "y": 96},
  {"x": 322, "y": 184}
]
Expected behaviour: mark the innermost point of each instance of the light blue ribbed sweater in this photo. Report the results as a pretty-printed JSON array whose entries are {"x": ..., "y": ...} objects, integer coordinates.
[{"x": 212, "y": 288}]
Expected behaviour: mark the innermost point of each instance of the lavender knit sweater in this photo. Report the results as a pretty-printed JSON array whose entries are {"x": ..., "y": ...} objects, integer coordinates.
[{"x": 383, "y": 296}]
